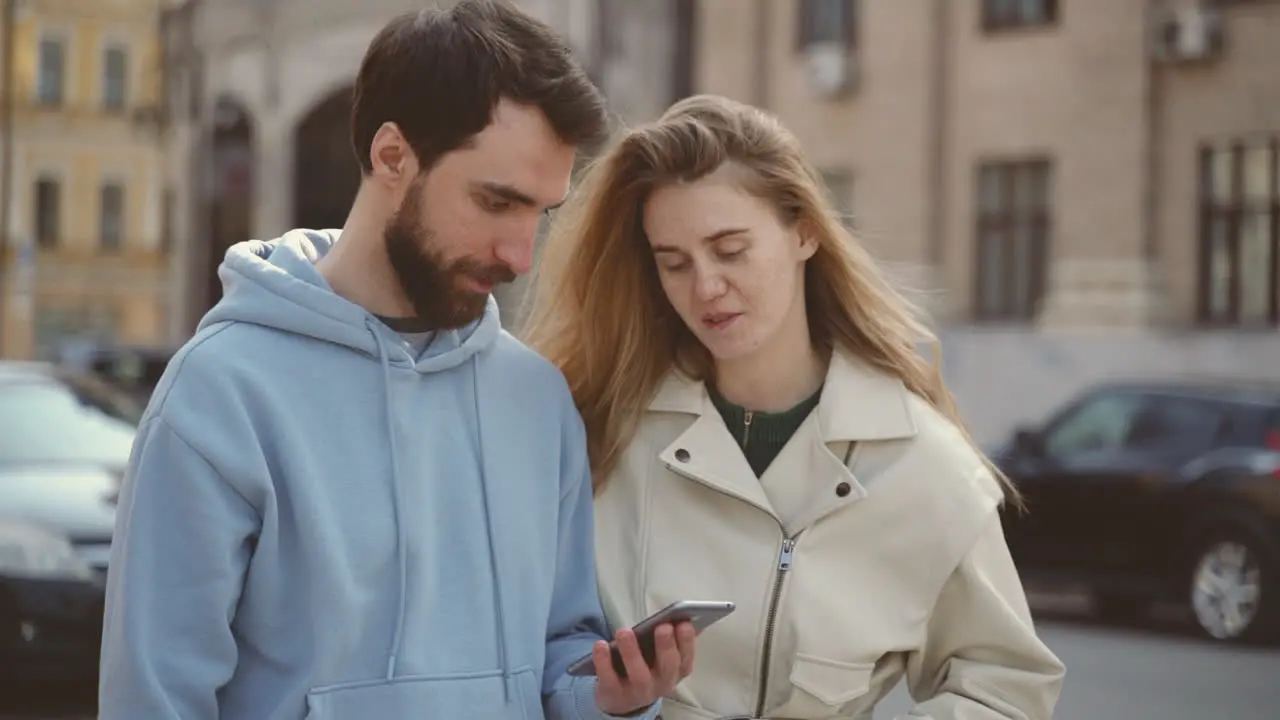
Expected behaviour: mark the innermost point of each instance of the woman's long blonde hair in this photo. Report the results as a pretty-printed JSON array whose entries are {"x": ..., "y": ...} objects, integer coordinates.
[{"x": 597, "y": 309}]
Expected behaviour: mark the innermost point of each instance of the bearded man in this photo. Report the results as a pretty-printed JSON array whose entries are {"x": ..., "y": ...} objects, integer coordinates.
[{"x": 353, "y": 495}]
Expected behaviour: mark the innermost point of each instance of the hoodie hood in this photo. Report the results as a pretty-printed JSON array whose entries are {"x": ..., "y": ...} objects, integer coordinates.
[{"x": 276, "y": 284}]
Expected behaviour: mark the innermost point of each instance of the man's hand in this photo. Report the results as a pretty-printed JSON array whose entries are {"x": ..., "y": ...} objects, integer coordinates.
[{"x": 643, "y": 685}]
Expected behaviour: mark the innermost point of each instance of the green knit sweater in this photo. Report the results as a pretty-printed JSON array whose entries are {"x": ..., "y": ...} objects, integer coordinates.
[{"x": 761, "y": 435}]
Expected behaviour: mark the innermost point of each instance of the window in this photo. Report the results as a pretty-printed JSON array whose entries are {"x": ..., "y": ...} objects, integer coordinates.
[
  {"x": 1007, "y": 14},
  {"x": 839, "y": 186},
  {"x": 1012, "y": 239},
  {"x": 1167, "y": 422},
  {"x": 827, "y": 21},
  {"x": 1240, "y": 234},
  {"x": 52, "y": 72},
  {"x": 1101, "y": 422},
  {"x": 1117, "y": 421},
  {"x": 111, "y": 218},
  {"x": 115, "y": 77},
  {"x": 48, "y": 212}
]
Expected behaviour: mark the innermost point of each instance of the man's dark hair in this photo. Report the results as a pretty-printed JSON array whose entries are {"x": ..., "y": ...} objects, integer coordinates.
[{"x": 438, "y": 75}]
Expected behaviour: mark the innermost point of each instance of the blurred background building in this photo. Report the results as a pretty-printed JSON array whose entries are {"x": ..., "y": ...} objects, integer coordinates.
[
  {"x": 1078, "y": 189},
  {"x": 81, "y": 191},
  {"x": 1075, "y": 191}
]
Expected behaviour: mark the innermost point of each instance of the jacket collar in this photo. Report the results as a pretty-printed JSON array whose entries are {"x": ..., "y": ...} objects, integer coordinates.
[{"x": 858, "y": 402}]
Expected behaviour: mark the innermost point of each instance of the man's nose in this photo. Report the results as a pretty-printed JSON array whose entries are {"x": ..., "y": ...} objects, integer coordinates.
[{"x": 516, "y": 252}]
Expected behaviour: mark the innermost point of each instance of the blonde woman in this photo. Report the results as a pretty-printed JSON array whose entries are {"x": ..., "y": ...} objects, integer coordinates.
[{"x": 762, "y": 430}]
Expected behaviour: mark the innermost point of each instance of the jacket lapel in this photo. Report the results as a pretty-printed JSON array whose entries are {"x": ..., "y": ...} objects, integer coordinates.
[
  {"x": 706, "y": 452},
  {"x": 812, "y": 475}
]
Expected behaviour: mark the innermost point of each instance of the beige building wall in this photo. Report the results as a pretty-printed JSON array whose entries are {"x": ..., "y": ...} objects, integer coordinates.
[{"x": 935, "y": 95}]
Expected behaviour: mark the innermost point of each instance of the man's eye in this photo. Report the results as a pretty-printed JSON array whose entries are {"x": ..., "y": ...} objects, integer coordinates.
[{"x": 496, "y": 204}]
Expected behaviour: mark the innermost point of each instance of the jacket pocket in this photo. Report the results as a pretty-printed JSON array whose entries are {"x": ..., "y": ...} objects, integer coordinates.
[
  {"x": 474, "y": 696},
  {"x": 830, "y": 682}
]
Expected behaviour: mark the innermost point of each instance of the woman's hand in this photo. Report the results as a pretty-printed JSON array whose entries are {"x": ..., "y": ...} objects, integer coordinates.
[{"x": 643, "y": 685}]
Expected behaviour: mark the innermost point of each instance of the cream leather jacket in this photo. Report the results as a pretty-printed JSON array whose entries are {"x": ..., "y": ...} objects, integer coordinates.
[{"x": 871, "y": 548}]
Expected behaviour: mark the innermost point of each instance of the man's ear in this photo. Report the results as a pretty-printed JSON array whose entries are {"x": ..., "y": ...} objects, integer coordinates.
[{"x": 391, "y": 157}]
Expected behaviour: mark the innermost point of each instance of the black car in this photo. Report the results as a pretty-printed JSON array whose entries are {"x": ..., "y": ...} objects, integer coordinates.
[
  {"x": 1149, "y": 492},
  {"x": 65, "y": 439}
]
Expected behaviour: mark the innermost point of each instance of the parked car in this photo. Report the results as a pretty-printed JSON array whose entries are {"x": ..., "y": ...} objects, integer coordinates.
[
  {"x": 1148, "y": 492},
  {"x": 65, "y": 440},
  {"x": 134, "y": 369}
]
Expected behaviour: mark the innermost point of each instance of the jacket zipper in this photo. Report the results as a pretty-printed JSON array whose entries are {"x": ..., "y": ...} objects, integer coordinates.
[
  {"x": 766, "y": 655},
  {"x": 785, "y": 556},
  {"x": 746, "y": 429}
]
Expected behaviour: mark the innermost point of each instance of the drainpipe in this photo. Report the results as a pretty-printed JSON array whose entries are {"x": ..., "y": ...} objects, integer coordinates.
[
  {"x": 762, "y": 56},
  {"x": 1153, "y": 142},
  {"x": 939, "y": 126},
  {"x": 6, "y": 169}
]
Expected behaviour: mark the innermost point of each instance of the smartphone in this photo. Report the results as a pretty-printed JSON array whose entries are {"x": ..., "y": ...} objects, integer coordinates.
[{"x": 701, "y": 613}]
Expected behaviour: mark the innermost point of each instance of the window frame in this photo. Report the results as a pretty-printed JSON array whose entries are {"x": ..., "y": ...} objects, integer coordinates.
[
  {"x": 108, "y": 101},
  {"x": 44, "y": 236},
  {"x": 807, "y": 30},
  {"x": 993, "y": 21},
  {"x": 108, "y": 244},
  {"x": 59, "y": 98},
  {"x": 1002, "y": 223},
  {"x": 1229, "y": 214}
]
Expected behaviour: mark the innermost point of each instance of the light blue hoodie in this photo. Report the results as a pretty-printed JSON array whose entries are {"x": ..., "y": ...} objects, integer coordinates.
[{"x": 316, "y": 524}]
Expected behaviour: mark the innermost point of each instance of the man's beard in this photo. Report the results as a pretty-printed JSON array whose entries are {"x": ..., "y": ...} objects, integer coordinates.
[{"x": 429, "y": 281}]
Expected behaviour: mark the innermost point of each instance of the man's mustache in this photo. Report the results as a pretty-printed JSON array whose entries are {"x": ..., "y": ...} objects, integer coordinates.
[{"x": 495, "y": 274}]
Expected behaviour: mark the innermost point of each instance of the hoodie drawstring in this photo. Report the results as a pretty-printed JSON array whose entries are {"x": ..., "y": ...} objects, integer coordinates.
[
  {"x": 493, "y": 546},
  {"x": 401, "y": 531},
  {"x": 402, "y": 555}
]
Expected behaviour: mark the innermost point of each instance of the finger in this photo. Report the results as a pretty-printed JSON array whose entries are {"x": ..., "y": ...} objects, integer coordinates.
[
  {"x": 666, "y": 658},
  {"x": 686, "y": 639},
  {"x": 606, "y": 677},
  {"x": 638, "y": 675}
]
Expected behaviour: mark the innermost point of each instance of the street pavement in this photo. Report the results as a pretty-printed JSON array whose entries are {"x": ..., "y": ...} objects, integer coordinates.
[{"x": 1159, "y": 670}]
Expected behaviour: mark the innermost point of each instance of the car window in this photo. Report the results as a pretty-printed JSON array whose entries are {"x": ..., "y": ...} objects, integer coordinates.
[
  {"x": 1174, "y": 422},
  {"x": 48, "y": 420},
  {"x": 1102, "y": 422}
]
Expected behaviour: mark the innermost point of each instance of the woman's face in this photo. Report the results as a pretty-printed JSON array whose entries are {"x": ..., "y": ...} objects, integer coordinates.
[{"x": 729, "y": 266}]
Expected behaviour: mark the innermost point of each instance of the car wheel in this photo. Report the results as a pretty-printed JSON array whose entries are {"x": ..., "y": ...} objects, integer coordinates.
[{"x": 1234, "y": 589}]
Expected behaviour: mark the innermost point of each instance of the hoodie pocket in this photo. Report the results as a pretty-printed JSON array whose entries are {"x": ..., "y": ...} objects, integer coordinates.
[
  {"x": 822, "y": 687},
  {"x": 473, "y": 696}
]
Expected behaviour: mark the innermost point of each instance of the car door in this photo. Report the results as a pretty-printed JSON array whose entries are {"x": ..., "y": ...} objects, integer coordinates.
[
  {"x": 1109, "y": 484},
  {"x": 1058, "y": 537},
  {"x": 1137, "y": 515}
]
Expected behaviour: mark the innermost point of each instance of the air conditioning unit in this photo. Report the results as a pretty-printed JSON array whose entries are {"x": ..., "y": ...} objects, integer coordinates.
[
  {"x": 1186, "y": 32},
  {"x": 831, "y": 67}
]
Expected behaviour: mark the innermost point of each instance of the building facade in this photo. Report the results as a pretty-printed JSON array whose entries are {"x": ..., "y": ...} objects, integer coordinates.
[
  {"x": 85, "y": 242},
  {"x": 1075, "y": 191},
  {"x": 261, "y": 98},
  {"x": 1080, "y": 190}
]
